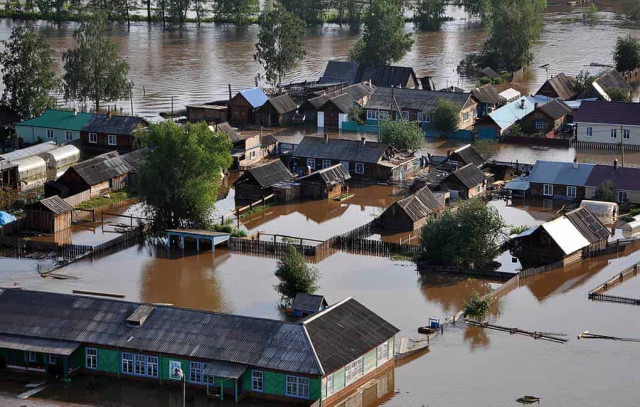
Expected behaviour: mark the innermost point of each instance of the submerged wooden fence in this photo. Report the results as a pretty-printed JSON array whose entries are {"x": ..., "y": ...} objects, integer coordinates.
[
  {"x": 604, "y": 146},
  {"x": 68, "y": 252},
  {"x": 597, "y": 294},
  {"x": 356, "y": 241}
]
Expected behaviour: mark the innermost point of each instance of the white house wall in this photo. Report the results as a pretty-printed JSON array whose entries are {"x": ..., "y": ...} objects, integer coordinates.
[{"x": 601, "y": 133}]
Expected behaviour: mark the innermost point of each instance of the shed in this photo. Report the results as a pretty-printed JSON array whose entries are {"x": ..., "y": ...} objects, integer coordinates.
[
  {"x": 469, "y": 181},
  {"x": 559, "y": 86},
  {"x": 308, "y": 304},
  {"x": 50, "y": 215},
  {"x": 335, "y": 111},
  {"x": 412, "y": 212},
  {"x": 98, "y": 174},
  {"x": 61, "y": 157},
  {"x": 490, "y": 73},
  {"x": 359, "y": 91},
  {"x": 467, "y": 155},
  {"x": 328, "y": 182},
  {"x": 278, "y": 111},
  {"x": 607, "y": 212},
  {"x": 258, "y": 182},
  {"x": 210, "y": 113},
  {"x": 244, "y": 106}
]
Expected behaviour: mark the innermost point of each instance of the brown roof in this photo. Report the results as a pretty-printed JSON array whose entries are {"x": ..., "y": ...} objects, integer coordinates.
[
  {"x": 469, "y": 175},
  {"x": 612, "y": 79},
  {"x": 225, "y": 128},
  {"x": 283, "y": 104},
  {"x": 555, "y": 109},
  {"x": 562, "y": 86},
  {"x": 56, "y": 205},
  {"x": 588, "y": 224},
  {"x": 421, "y": 204},
  {"x": 487, "y": 94},
  {"x": 333, "y": 175}
]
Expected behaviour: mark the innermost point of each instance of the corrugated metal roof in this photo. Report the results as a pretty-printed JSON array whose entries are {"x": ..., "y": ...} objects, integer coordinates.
[
  {"x": 419, "y": 205},
  {"x": 588, "y": 224},
  {"x": 29, "y": 151},
  {"x": 283, "y": 104},
  {"x": 512, "y": 112},
  {"x": 414, "y": 99},
  {"x": 255, "y": 97},
  {"x": 562, "y": 173},
  {"x": 509, "y": 94},
  {"x": 224, "y": 369},
  {"x": 31, "y": 344},
  {"x": 345, "y": 331},
  {"x": 101, "y": 168},
  {"x": 341, "y": 150},
  {"x": 354, "y": 72},
  {"x": 59, "y": 119},
  {"x": 487, "y": 94},
  {"x": 566, "y": 236},
  {"x": 518, "y": 185},
  {"x": 269, "y": 174},
  {"x": 469, "y": 175},
  {"x": 468, "y": 155},
  {"x": 333, "y": 175}
]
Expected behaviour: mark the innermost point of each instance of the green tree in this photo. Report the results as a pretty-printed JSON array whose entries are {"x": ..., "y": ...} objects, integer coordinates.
[
  {"x": 201, "y": 9},
  {"x": 348, "y": 11},
  {"x": 591, "y": 15},
  {"x": 279, "y": 46},
  {"x": 237, "y": 11},
  {"x": 486, "y": 148},
  {"x": 479, "y": 8},
  {"x": 514, "y": 26},
  {"x": 477, "y": 307},
  {"x": 627, "y": 54},
  {"x": 295, "y": 276},
  {"x": 185, "y": 196},
  {"x": 582, "y": 82},
  {"x": 309, "y": 11},
  {"x": 429, "y": 14},
  {"x": 472, "y": 235},
  {"x": 402, "y": 134},
  {"x": 446, "y": 116},
  {"x": 383, "y": 40},
  {"x": 27, "y": 72},
  {"x": 178, "y": 10},
  {"x": 93, "y": 70},
  {"x": 619, "y": 95},
  {"x": 606, "y": 192}
]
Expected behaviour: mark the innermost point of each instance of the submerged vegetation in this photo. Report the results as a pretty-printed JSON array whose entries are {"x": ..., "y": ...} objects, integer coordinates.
[
  {"x": 477, "y": 306},
  {"x": 295, "y": 275}
]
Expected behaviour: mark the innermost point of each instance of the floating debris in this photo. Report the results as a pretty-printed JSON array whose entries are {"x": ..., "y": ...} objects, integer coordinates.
[
  {"x": 587, "y": 335},
  {"x": 528, "y": 400}
]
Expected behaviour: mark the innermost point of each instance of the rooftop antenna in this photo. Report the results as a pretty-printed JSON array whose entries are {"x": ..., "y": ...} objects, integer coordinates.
[{"x": 546, "y": 68}]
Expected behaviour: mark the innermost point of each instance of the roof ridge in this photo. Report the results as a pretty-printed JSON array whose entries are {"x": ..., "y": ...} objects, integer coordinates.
[{"x": 324, "y": 311}]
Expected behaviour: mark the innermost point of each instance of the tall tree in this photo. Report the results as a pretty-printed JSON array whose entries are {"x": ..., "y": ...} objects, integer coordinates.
[
  {"x": 236, "y": 11},
  {"x": 185, "y": 196},
  {"x": 446, "y": 116},
  {"x": 309, "y": 11},
  {"x": 348, "y": 11},
  {"x": 93, "y": 70},
  {"x": 514, "y": 26},
  {"x": 402, "y": 134},
  {"x": 27, "y": 72},
  {"x": 627, "y": 54},
  {"x": 201, "y": 9},
  {"x": 478, "y": 8},
  {"x": 429, "y": 14},
  {"x": 279, "y": 46},
  {"x": 178, "y": 10},
  {"x": 383, "y": 40}
]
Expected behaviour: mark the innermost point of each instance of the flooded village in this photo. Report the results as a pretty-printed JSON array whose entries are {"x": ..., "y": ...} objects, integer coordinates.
[{"x": 351, "y": 234}]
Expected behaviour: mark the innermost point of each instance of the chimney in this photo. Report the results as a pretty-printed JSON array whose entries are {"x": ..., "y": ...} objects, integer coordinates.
[
  {"x": 75, "y": 112},
  {"x": 326, "y": 138},
  {"x": 615, "y": 164},
  {"x": 522, "y": 103},
  {"x": 575, "y": 162},
  {"x": 364, "y": 141}
]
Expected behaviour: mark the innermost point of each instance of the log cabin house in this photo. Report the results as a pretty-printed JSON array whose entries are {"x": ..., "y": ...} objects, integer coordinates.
[
  {"x": 466, "y": 182},
  {"x": 278, "y": 111},
  {"x": 258, "y": 182},
  {"x": 558, "y": 87},
  {"x": 345, "y": 72},
  {"x": 108, "y": 132},
  {"x": 549, "y": 118},
  {"x": 50, "y": 215},
  {"x": 412, "y": 212},
  {"x": 244, "y": 107},
  {"x": 325, "y": 183}
]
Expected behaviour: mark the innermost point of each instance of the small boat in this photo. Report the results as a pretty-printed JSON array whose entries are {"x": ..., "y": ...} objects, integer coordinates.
[
  {"x": 409, "y": 347},
  {"x": 528, "y": 400},
  {"x": 432, "y": 328}
]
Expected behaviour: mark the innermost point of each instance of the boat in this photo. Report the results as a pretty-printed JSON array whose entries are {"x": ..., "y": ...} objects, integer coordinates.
[
  {"x": 528, "y": 400},
  {"x": 432, "y": 328},
  {"x": 409, "y": 347}
]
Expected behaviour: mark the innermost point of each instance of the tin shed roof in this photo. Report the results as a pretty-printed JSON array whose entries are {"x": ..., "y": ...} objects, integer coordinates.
[
  {"x": 270, "y": 174},
  {"x": 588, "y": 224},
  {"x": 562, "y": 173},
  {"x": 414, "y": 99},
  {"x": 49, "y": 346},
  {"x": 469, "y": 175},
  {"x": 333, "y": 175},
  {"x": 309, "y": 302},
  {"x": 59, "y": 119},
  {"x": 55, "y": 204},
  {"x": 341, "y": 150},
  {"x": 101, "y": 168},
  {"x": 255, "y": 97}
]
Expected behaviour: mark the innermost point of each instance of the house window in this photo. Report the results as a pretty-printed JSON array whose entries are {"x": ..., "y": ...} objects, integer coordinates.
[
  {"x": 195, "y": 372},
  {"x": 547, "y": 190},
  {"x": 330, "y": 390},
  {"x": 30, "y": 357},
  {"x": 326, "y": 163},
  {"x": 372, "y": 115},
  {"x": 589, "y": 132},
  {"x": 383, "y": 115},
  {"x": 626, "y": 134},
  {"x": 93, "y": 138},
  {"x": 253, "y": 154},
  {"x": 140, "y": 364},
  {"x": 127, "y": 363},
  {"x": 91, "y": 358},
  {"x": 428, "y": 118},
  {"x": 50, "y": 133},
  {"x": 257, "y": 380},
  {"x": 354, "y": 370},
  {"x": 359, "y": 168},
  {"x": 297, "y": 386},
  {"x": 539, "y": 125},
  {"x": 614, "y": 133},
  {"x": 420, "y": 117},
  {"x": 68, "y": 135},
  {"x": 52, "y": 359},
  {"x": 465, "y": 116},
  {"x": 405, "y": 115},
  {"x": 152, "y": 366},
  {"x": 311, "y": 163},
  {"x": 571, "y": 191},
  {"x": 112, "y": 140},
  {"x": 478, "y": 188},
  {"x": 383, "y": 353},
  {"x": 622, "y": 196}
]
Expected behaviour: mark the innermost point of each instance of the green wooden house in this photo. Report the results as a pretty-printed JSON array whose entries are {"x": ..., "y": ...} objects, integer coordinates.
[
  {"x": 61, "y": 126},
  {"x": 318, "y": 359}
]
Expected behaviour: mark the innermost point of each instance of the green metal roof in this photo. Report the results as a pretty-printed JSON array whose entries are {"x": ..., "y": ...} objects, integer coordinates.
[{"x": 58, "y": 119}]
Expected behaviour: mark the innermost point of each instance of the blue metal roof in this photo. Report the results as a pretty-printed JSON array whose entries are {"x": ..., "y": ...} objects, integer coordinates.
[
  {"x": 563, "y": 173},
  {"x": 510, "y": 113},
  {"x": 6, "y": 218},
  {"x": 255, "y": 97}
]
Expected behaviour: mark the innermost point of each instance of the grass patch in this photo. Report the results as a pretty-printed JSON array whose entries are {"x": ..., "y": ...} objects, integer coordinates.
[
  {"x": 254, "y": 210},
  {"x": 343, "y": 197},
  {"x": 114, "y": 198},
  {"x": 516, "y": 230},
  {"x": 227, "y": 228},
  {"x": 405, "y": 257}
]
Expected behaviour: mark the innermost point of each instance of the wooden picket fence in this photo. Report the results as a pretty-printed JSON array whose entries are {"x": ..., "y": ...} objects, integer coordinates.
[
  {"x": 597, "y": 294},
  {"x": 355, "y": 241},
  {"x": 126, "y": 239},
  {"x": 267, "y": 248},
  {"x": 68, "y": 252}
]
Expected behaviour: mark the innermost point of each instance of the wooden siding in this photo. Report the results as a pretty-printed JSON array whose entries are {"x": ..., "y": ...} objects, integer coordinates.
[
  {"x": 47, "y": 222},
  {"x": 124, "y": 142},
  {"x": 536, "y": 190}
]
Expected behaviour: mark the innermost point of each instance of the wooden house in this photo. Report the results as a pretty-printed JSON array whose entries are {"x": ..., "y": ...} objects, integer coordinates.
[
  {"x": 558, "y": 180},
  {"x": 547, "y": 118},
  {"x": 258, "y": 182},
  {"x": 50, "y": 215},
  {"x": 210, "y": 113},
  {"x": 346, "y": 72},
  {"x": 558, "y": 87},
  {"x": 625, "y": 179},
  {"x": 468, "y": 181},
  {"x": 605, "y": 82},
  {"x": 278, "y": 111},
  {"x": 466, "y": 155},
  {"x": 325, "y": 183},
  {"x": 59, "y": 126},
  {"x": 335, "y": 111},
  {"x": 308, "y": 304},
  {"x": 98, "y": 175},
  {"x": 360, "y": 92},
  {"x": 9, "y": 177},
  {"x": 488, "y": 99},
  {"x": 107, "y": 132},
  {"x": 412, "y": 212},
  {"x": 248, "y": 147},
  {"x": 244, "y": 108}
]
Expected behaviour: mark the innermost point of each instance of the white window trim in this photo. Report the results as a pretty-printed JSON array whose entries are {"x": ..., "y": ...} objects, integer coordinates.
[
  {"x": 91, "y": 354},
  {"x": 622, "y": 196},
  {"x": 589, "y": 132},
  {"x": 298, "y": 386},
  {"x": 126, "y": 357},
  {"x": 311, "y": 162},
  {"x": 50, "y": 134},
  {"x": 614, "y": 133},
  {"x": 257, "y": 375},
  {"x": 196, "y": 367},
  {"x": 382, "y": 353},
  {"x": 30, "y": 357},
  {"x": 354, "y": 371},
  {"x": 572, "y": 191},
  {"x": 52, "y": 359},
  {"x": 68, "y": 135},
  {"x": 626, "y": 134},
  {"x": 114, "y": 138},
  {"x": 405, "y": 114},
  {"x": 547, "y": 189},
  {"x": 329, "y": 383},
  {"x": 93, "y": 138},
  {"x": 359, "y": 168},
  {"x": 372, "y": 115},
  {"x": 326, "y": 163}
]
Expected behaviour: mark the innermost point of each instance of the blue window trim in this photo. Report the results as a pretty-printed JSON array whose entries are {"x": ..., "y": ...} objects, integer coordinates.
[
  {"x": 297, "y": 378},
  {"x": 252, "y": 389},
  {"x": 86, "y": 353},
  {"x": 133, "y": 364}
]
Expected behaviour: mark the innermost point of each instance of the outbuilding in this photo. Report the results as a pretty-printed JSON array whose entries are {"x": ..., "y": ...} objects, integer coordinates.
[
  {"x": 328, "y": 182},
  {"x": 278, "y": 111},
  {"x": 412, "y": 212},
  {"x": 308, "y": 304},
  {"x": 50, "y": 215},
  {"x": 258, "y": 182},
  {"x": 244, "y": 107},
  {"x": 468, "y": 181},
  {"x": 98, "y": 175}
]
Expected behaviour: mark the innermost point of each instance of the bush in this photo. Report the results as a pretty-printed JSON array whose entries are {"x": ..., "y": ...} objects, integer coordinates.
[
  {"x": 402, "y": 134},
  {"x": 516, "y": 230},
  {"x": 606, "y": 192},
  {"x": 477, "y": 307},
  {"x": 295, "y": 276},
  {"x": 446, "y": 116}
]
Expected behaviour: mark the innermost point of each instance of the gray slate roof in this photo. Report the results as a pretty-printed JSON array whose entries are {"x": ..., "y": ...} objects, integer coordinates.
[
  {"x": 26, "y": 343},
  {"x": 487, "y": 94},
  {"x": 555, "y": 109},
  {"x": 308, "y": 302},
  {"x": 345, "y": 331},
  {"x": 588, "y": 224},
  {"x": 124, "y": 125},
  {"x": 341, "y": 150},
  {"x": 333, "y": 175},
  {"x": 469, "y": 175},
  {"x": 226, "y": 128},
  {"x": 612, "y": 79},
  {"x": 283, "y": 104},
  {"x": 343, "y": 102},
  {"x": 354, "y": 72},
  {"x": 270, "y": 174},
  {"x": 420, "y": 205},
  {"x": 468, "y": 155},
  {"x": 414, "y": 99},
  {"x": 357, "y": 91},
  {"x": 101, "y": 168},
  {"x": 136, "y": 159},
  {"x": 562, "y": 173},
  {"x": 562, "y": 86},
  {"x": 56, "y": 205}
]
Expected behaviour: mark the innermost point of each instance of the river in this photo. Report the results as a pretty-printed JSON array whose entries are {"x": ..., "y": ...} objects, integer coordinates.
[{"x": 196, "y": 64}]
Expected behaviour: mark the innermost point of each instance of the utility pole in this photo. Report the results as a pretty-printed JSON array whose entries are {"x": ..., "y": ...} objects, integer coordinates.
[{"x": 622, "y": 143}]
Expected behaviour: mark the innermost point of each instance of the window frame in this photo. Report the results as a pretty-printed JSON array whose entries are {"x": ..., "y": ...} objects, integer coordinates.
[
  {"x": 572, "y": 191},
  {"x": 311, "y": 163},
  {"x": 91, "y": 354},
  {"x": 52, "y": 359},
  {"x": 51, "y": 134},
  {"x": 126, "y": 357},
  {"x": 588, "y": 132},
  {"x": 354, "y": 371},
  {"x": 539, "y": 125},
  {"x": 326, "y": 164},
  {"x": 196, "y": 368},
  {"x": 30, "y": 356},
  {"x": 626, "y": 134},
  {"x": 614, "y": 133},
  {"x": 372, "y": 115},
  {"x": 465, "y": 116},
  {"x": 383, "y": 347},
  {"x": 384, "y": 115},
  {"x": 358, "y": 168},
  {"x": 405, "y": 114},
  {"x": 329, "y": 382},
  {"x": 257, "y": 381},
  {"x": 112, "y": 137},
  {"x": 93, "y": 138},
  {"x": 68, "y": 135},
  {"x": 622, "y": 196},
  {"x": 547, "y": 189},
  {"x": 297, "y": 384},
  {"x": 152, "y": 363}
]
